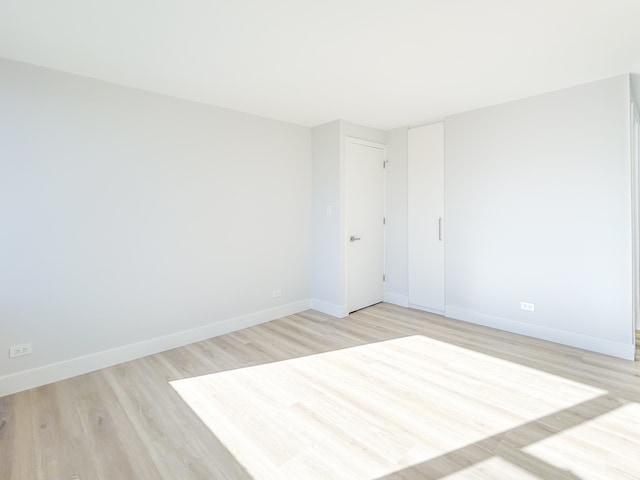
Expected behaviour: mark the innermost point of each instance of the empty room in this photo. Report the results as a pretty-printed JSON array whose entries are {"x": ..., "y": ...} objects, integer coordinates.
[{"x": 337, "y": 240}]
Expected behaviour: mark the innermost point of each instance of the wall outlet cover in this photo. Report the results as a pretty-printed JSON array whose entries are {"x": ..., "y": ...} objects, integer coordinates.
[
  {"x": 19, "y": 350},
  {"x": 529, "y": 307}
]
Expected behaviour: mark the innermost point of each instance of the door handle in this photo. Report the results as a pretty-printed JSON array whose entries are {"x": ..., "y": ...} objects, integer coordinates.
[
  {"x": 353, "y": 238},
  {"x": 440, "y": 229}
]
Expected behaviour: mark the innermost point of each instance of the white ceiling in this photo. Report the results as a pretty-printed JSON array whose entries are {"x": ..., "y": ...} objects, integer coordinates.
[{"x": 381, "y": 63}]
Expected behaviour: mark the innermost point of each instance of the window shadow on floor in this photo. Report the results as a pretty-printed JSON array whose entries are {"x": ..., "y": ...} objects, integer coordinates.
[{"x": 509, "y": 446}]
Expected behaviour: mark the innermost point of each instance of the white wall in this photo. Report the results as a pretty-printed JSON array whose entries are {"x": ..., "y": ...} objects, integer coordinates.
[
  {"x": 329, "y": 189},
  {"x": 396, "y": 267},
  {"x": 538, "y": 210},
  {"x": 326, "y": 288},
  {"x": 349, "y": 129},
  {"x": 127, "y": 216}
]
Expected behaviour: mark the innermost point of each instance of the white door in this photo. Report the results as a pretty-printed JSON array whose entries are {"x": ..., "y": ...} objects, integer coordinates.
[
  {"x": 426, "y": 217},
  {"x": 364, "y": 222}
]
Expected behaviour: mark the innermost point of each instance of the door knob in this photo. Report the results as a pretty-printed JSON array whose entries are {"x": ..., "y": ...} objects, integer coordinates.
[{"x": 353, "y": 238}]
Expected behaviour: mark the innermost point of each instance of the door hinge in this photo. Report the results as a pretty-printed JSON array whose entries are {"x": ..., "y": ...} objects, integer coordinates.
[
  {"x": 384, "y": 164},
  {"x": 384, "y": 277},
  {"x": 384, "y": 221}
]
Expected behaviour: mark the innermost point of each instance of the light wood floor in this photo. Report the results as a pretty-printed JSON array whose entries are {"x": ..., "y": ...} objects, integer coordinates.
[{"x": 390, "y": 393}]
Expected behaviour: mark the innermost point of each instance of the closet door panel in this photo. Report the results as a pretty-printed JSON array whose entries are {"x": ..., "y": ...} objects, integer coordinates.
[{"x": 426, "y": 217}]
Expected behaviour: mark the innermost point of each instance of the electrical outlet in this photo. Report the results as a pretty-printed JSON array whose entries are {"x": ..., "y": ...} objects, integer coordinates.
[
  {"x": 19, "y": 350},
  {"x": 529, "y": 307},
  {"x": 277, "y": 293}
]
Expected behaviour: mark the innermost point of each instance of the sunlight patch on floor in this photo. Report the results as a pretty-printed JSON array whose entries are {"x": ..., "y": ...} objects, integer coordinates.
[{"x": 368, "y": 411}]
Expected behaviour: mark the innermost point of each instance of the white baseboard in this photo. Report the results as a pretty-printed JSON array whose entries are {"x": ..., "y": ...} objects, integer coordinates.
[
  {"x": 36, "y": 377},
  {"x": 338, "y": 311},
  {"x": 396, "y": 299},
  {"x": 593, "y": 344},
  {"x": 438, "y": 311}
]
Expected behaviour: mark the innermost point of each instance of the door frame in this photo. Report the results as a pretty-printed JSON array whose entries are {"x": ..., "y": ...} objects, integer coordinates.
[
  {"x": 635, "y": 214},
  {"x": 344, "y": 223}
]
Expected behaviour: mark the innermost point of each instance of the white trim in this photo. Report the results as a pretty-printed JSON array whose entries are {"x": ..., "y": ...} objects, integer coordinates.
[
  {"x": 396, "y": 299},
  {"x": 36, "y": 377},
  {"x": 338, "y": 311},
  {"x": 635, "y": 213},
  {"x": 438, "y": 311},
  {"x": 594, "y": 344},
  {"x": 366, "y": 143}
]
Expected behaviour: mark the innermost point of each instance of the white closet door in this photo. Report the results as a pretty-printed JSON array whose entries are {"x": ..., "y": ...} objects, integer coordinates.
[{"x": 426, "y": 217}]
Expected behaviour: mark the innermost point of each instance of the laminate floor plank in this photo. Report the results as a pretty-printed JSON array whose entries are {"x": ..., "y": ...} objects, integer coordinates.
[
  {"x": 176, "y": 441},
  {"x": 386, "y": 393},
  {"x": 17, "y": 457}
]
